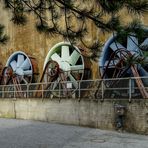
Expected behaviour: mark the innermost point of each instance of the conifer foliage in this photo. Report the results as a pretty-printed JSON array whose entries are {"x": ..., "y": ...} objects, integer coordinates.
[
  {"x": 75, "y": 15},
  {"x": 3, "y": 37}
]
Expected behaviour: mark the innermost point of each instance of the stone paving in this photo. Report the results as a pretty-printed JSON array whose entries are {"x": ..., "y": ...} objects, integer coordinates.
[{"x": 35, "y": 134}]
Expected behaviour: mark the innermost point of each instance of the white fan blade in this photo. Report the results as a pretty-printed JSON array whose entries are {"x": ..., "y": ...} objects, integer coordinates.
[
  {"x": 115, "y": 45},
  {"x": 112, "y": 63},
  {"x": 77, "y": 67},
  {"x": 27, "y": 72},
  {"x": 73, "y": 80},
  {"x": 145, "y": 43},
  {"x": 56, "y": 57},
  {"x": 19, "y": 71},
  {"x": 74, "y": 57},
  {"x": 132, "y": 44},
  {"x": 24, "y": 80},
  {"x": 65, "y": 52},
  {"x": 13, "y": 65},
  {"x": 25, "y": 65},
  {"x": 20, "y": 59}
]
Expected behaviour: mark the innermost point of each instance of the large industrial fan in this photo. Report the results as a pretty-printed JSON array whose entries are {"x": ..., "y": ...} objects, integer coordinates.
[
  {"x": 125, "y": 58},
  {"x": 64, "y": 66},
  {"x": 20, "y": 69}
]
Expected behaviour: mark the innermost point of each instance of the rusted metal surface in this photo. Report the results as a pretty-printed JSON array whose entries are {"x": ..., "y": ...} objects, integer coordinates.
[
  {"x": 121, "y": 66},
  {"x": 73, "y": 65},
  {"x": 139, "y": 82},
  {"x": 10, "y": 77},
  {"x": 34, "y": 63},
  {"x": 7, "y": 74},
  {"x": 50, "y": 73}
]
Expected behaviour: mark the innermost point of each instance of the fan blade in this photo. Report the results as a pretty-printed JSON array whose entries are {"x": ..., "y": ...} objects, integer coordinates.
[
  {"x": 28, "y": 72},
  {"x": 56, "y": 57},
  {"x": 145, "y": 43},
  {"x": 25, "y": 65},
  {"x": 55, "y": 84},
  {"x": 112, "y": 63},
  {"x": 13, "y": 64},
  {"x": 77, "y": 67},
  {"x": 74, "y": 57},
  {"x": 74, "y": 82},
  {"x": 20, "y": 59},
  {"x": 132, "y": 44},
  {"x": 24, "y": 80},
  {"x": 19, "y": 71},
  {"x": 65, "y": 52},
  {"x": 115, "y": 45}
]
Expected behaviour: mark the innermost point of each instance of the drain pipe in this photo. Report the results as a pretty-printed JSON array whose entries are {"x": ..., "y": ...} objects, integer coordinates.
[{"x": 120, "y": 113}]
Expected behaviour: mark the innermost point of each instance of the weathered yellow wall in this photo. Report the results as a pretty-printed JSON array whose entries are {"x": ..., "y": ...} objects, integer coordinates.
[
  {"x": 24, "y": 38},
  {"x": 27, "y": 39}
]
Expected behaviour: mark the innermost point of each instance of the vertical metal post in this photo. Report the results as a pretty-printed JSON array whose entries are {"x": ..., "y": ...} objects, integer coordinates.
[
  {"x": 102, "y": 89},
  {"x": 130, "y": 90},
  {"x": 3, "y": 91},
  {"x": 27, "y": 96},
  {"x": 14, "y": 86},
  {"x": 79, "y": 89},
  {"x": 59, "y": 89},
  {"x": 42, "y": 90}
]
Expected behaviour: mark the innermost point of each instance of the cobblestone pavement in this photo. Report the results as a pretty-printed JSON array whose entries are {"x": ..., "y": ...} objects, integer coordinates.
[{"x": 35, "y": 134}]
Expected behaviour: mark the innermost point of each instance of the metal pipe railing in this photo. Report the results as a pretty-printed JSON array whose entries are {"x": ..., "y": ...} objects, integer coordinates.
[{"x": 125, "y": 88}]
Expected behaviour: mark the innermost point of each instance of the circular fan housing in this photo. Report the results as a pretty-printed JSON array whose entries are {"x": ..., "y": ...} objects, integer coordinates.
[
  {"x": 71, "y": 63},
  {"x": 23, "y": 66},
  {"x": 132, "y": 45},
  {"x": 126, "y": 57}
]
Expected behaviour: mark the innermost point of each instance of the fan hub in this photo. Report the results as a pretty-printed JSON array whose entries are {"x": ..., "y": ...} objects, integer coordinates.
[
  {"x": 65, "y": 66},
  {"x": 19, "y": 71}
]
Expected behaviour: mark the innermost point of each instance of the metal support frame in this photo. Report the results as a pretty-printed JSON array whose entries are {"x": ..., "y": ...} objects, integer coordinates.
[
  {"x": 130, "y": 90},
  {"x": 102, "y": 89}
]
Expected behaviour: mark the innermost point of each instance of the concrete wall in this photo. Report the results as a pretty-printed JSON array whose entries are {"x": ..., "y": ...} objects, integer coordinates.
[{"x": 84, "y": 112}]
